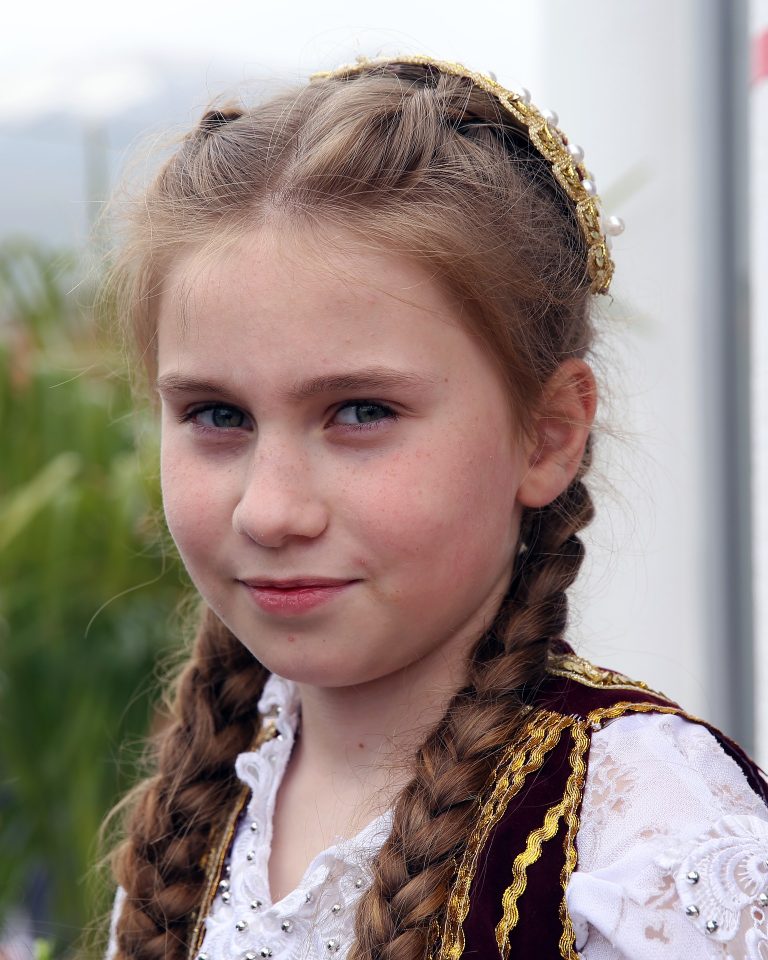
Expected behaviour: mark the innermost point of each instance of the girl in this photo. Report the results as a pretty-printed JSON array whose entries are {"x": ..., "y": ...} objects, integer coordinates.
[{"x": 365, "y": 307}]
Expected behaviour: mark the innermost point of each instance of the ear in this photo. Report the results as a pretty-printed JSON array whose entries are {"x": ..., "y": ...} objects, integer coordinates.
[{"x": 562, "y": 422}]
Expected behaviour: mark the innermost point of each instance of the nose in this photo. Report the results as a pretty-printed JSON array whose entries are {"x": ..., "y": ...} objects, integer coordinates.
[{"x": 278, "y": 500}]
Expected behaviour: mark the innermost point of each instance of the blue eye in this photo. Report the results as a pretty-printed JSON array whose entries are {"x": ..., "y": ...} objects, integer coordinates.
[
  {"x": 216, "y": 417},
  {"x": 364, "y": 414}
]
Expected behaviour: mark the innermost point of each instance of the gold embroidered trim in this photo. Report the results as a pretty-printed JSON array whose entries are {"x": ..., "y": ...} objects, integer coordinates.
[
  {"x": 576, "y": 668},
  {"x": 573, "y": 793},
  {"x": 213, "y": 873},
  {"x": 214, "y": 862},
  {"x": 526, "y": 755}
]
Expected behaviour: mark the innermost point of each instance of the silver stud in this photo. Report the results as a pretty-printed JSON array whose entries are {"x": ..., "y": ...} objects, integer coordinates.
[
  {"x": 228, "y": 869},
  {"x": 223, "y": 885},
  {"x": 762, "y": 899},
  {"x": 202, "y": 956},
  {"x": 359, "y": 882},
  {"x": 254, "y": 827},
  {"x": 692, "y": 876},
  {"x": 250, "y": 955},
  {"x": 255, "y": 904},
  {"x": 335, "y": 908},
  {"x": 286, "y": 926},
  {"x": 278, "y": 711},
  {"x": 250, "y": 856},
  {"x": 711, "y": 926},
  {"x": 226, "y": 896},
  {"x": 241, "y": 925},
  {"x": 692, "y": 910},
  {"x": 332, "y": 945},
  {"x": 265, "y": 952},
  {"x": 308, "y": 898}
]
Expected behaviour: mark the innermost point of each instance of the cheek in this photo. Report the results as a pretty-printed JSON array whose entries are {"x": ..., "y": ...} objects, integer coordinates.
[
  {"x": 446, "y": 511},
  {"x": 192, "y": 502}
]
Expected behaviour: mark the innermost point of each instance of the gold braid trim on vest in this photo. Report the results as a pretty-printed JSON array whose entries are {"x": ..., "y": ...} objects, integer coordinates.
[
  {"x": 541, "y": 733},
  {"x": 537, "y": 738}
]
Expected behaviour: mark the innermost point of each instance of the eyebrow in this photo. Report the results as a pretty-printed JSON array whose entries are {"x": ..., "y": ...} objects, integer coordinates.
[{"x": 367, "y": 379}]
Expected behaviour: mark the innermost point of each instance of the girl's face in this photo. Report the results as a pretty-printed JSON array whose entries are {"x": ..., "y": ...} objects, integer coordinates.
[{"x": 327, "y": 419}]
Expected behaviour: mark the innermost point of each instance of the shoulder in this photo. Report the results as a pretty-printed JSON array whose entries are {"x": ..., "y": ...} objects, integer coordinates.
[{"x": 672, "y": 847}]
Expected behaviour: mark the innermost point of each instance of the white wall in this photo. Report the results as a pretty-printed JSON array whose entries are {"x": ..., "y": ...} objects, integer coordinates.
[{"x": 759, "y": 237}]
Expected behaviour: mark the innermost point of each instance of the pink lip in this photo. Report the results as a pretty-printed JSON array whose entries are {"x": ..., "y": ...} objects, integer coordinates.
[{"x": 287, "y": 597}]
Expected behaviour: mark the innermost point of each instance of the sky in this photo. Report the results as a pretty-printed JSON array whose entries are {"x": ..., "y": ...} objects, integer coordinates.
[
  {"x": 82, "y": 83},
  {"x": 46, "y": 49}
]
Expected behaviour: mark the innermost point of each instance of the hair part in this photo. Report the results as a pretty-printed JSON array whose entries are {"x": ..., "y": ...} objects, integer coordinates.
[{"x": 426, "y": 165}]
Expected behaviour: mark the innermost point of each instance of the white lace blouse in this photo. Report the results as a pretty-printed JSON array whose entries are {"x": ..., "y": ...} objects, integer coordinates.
[{"x": 673, "y": 855}]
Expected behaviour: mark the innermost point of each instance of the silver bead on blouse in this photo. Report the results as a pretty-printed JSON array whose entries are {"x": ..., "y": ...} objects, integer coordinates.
[
  {"x": 332, "y": 945},
  {"x": 255, "y": 904},
  {"x": 692, "y": 910},
  {"x": 250, "y": 955},
  {"x": 711, "y": 926},
  {"x": 762, "y": 899},
  {"x": 359, "y": 882},
  {"x": 265, "y": 952},
  {"x": 692, "y": 876},
  {"x": 241, "y": 925},
  {"x": 286, "y": 926},
  {"x": 335, "y": 908},
  {"x": 223, "y": 885},
  {"x": 250, "y": 856},
  {"x": 254, "y": 827},
  {"x": 226, "y": 896}
]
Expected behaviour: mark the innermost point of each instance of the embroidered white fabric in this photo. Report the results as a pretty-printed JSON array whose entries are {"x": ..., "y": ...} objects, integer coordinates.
[{"x": 672, "y": 839}]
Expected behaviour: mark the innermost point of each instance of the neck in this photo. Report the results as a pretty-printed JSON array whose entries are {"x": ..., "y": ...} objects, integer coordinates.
[{"x": 366, "y": 734}]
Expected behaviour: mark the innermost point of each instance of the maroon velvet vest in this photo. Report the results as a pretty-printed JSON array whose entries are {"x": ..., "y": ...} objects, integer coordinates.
[{"x": 508, "y": 899}]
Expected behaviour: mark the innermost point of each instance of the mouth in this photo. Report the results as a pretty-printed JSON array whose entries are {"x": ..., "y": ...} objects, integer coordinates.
[
  {"x": 297, "y": 595},
  {"x": 295, "y": 583}
]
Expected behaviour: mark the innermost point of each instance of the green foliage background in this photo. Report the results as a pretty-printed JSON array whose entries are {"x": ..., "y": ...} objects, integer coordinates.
[{"x": 86, "y": 594}]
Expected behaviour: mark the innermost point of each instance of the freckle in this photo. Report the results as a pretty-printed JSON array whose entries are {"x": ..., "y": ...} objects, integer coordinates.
[{"x": 361, "y": 746}]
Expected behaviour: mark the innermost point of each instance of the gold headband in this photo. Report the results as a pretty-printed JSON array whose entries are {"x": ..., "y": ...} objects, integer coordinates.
[{"x": 566, "y": 159}]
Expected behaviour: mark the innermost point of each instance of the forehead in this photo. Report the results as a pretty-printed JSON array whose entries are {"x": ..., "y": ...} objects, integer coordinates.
[{"x": 288, "y": 298}]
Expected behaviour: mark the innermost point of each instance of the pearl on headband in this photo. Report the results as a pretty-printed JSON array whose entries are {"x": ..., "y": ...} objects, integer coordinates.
[{"x": 541, "y": 127}]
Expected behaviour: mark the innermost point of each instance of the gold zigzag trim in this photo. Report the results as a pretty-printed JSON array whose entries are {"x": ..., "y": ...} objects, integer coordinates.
[
  {"x": 526, "y": 755},
  {"x": 547, "y": 138},
  {"x": 573, "y": 793},
  {"x": 565, "y": 808}
]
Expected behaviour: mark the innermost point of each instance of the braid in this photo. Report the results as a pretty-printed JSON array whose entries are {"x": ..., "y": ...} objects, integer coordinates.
[
  {"x": 433, "y": 816},
  {"x": 159, "y": 864}
]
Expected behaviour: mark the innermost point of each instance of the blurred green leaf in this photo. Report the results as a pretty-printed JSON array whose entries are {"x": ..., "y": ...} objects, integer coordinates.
[{"x": 87, "y": 591}]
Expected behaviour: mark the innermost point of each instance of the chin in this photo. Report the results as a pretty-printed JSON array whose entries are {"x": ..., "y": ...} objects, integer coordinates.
[{"x": 317, "y": 667}]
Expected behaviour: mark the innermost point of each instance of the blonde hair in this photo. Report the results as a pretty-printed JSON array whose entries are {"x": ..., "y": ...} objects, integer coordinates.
[{"x": 425, "y": 164}]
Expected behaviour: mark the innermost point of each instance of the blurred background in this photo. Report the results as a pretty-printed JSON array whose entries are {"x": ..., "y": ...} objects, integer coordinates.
[{"x": 669, "y": 99}]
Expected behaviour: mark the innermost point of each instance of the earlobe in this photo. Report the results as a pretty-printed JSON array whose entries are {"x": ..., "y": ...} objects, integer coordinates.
[{"x": 562, "y": 425}]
